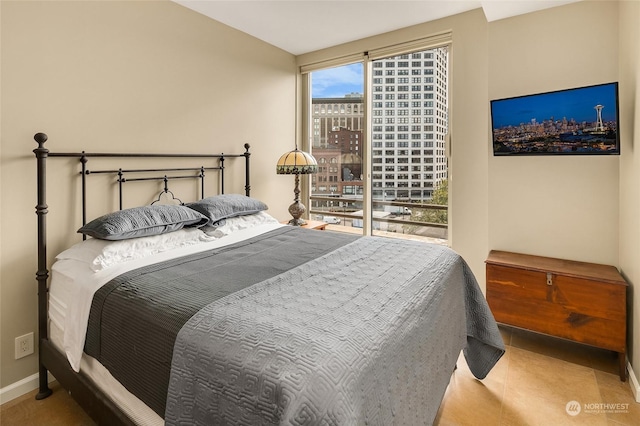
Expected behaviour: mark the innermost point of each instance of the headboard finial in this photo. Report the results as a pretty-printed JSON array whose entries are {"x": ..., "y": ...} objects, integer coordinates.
[
  {"x": 41, "y": 151},
  {"x": 41, "y": 138}
]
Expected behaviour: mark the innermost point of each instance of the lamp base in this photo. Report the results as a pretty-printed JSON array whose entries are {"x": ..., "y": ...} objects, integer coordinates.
[
  {"x": 297, "y": 209},
  {"x": 297, "y": 222}
]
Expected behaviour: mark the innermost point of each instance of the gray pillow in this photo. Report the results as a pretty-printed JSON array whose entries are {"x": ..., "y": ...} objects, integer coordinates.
[
  {"x": 142, "y": 221},
  {"x": 225, "y": 206}
]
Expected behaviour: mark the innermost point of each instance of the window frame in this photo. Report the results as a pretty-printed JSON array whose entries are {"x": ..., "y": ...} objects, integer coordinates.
[{"x": 433, "y": 41}]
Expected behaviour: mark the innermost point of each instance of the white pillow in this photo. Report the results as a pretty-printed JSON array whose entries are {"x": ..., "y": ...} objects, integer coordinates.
[
  {"x": 101, "y": 254},
  {"x": 233, "y": 224}
]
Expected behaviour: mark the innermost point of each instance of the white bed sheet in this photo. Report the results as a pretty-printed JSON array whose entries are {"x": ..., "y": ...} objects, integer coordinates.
[{"x": 73, "y": 285}]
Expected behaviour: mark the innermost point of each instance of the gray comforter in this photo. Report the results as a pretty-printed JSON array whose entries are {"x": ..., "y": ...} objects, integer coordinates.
[
  {"x": 136, "y": 317},
  {"x": 368, "y": 333}
]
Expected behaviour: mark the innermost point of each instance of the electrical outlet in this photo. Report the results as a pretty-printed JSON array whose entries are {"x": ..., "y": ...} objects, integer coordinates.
[{"x": 24, "y": 345}]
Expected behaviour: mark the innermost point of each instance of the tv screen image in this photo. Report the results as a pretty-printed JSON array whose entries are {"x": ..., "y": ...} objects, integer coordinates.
[{"x": 576, "y": 121}]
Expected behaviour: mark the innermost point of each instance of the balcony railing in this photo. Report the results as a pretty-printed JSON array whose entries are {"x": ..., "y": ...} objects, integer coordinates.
[{"x": 388, "y": 216}]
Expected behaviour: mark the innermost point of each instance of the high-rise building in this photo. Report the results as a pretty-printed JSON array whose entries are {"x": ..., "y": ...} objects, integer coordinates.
[
  {"x": 409, "y": 124},
  {"x": 409, "y": 114}
]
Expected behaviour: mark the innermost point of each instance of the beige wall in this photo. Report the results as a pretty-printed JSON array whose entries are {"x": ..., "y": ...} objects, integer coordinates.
[
  {"x": 555, "y": 206},
  {"x": 130, "y": 76},
  {"x": 629, "y": 63}
]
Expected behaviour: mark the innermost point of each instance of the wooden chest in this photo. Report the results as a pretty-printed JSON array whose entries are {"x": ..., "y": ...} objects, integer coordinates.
[{"x": 579, "y": 301}]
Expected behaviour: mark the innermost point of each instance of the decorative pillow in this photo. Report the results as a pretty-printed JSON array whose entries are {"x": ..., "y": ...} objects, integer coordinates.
[
  {"x": 228, "y": 226},
  {"x": 225, "y": 206},
  {"x": 101, "y": 254},
  {"x": 142, "y": 222}
]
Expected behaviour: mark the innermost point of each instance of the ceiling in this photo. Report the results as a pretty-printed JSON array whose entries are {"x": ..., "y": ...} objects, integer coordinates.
[{"x": 303, "y": 26}]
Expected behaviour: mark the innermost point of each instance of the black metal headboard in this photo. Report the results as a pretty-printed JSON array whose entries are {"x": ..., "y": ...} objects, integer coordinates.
[{"x": 121, "y": 175}]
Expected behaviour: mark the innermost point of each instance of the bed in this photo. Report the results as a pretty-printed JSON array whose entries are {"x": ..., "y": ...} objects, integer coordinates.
[{"x": 229, "y": 317}]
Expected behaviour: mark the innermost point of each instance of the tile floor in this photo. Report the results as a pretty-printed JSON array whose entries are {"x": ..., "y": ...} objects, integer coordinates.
[{"x": 533, "y": 383}]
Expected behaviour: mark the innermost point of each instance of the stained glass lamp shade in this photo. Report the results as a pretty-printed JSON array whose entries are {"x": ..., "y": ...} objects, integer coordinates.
[{"x": 296, "y": 163}]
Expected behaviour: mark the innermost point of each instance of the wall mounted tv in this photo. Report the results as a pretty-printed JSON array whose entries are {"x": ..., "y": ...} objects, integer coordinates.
[{"x": 579, "y": 121}]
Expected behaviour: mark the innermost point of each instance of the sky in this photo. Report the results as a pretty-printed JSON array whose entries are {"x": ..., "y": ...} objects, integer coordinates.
[
  {"x": 574, "y": 103},
  {"x": 337, "y": 82}
]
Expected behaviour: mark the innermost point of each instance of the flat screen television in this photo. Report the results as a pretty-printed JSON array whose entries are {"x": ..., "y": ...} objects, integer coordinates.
[{"x": 579, "y": 121}]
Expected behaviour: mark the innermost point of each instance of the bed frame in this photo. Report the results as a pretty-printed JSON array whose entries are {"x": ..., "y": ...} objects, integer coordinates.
[{"x": 90, "y": 398}]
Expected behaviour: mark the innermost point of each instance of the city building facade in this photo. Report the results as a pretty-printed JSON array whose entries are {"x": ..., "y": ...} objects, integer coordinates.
[{"x": 409, "y": 113}]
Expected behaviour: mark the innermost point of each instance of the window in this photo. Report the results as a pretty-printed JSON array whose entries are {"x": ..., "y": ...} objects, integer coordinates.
[{"x": 405, "y": 117}]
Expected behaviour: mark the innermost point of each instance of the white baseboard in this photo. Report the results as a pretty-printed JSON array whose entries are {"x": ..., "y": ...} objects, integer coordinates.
[
  {"x": 633, "y": 382},
  {"x": 20, "y": 388}
]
